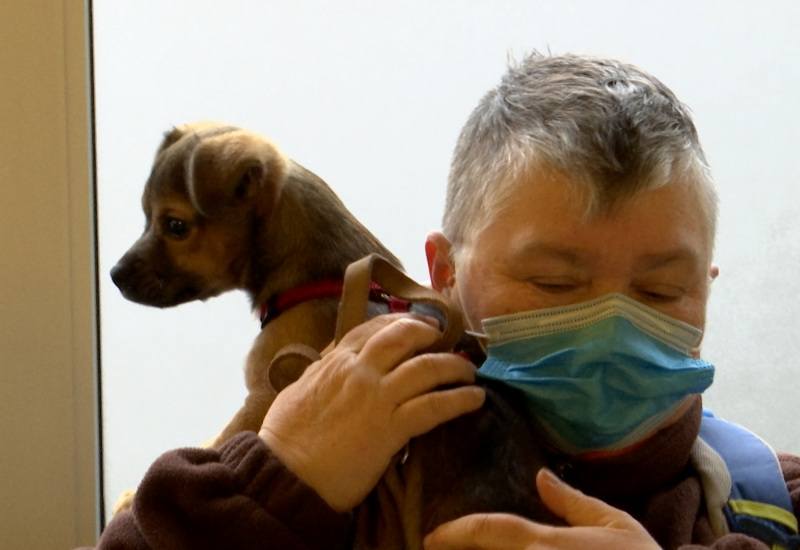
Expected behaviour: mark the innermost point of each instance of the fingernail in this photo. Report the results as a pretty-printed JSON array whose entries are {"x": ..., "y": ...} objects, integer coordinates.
[
  {"x": 479, "y": 393},
  {"x": 550, "y": 478},
  {"x": 432, "y": 321}
]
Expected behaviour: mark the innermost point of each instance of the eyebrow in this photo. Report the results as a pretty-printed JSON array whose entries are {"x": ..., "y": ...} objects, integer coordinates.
[
  {"x": 681, "y": 254},
  {"x": 572, "y": 255}
]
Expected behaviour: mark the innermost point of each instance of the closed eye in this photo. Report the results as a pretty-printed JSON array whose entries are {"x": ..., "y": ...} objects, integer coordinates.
[
  {"x": 664, "y": 294},
  {"x": 556, "y": 286}
]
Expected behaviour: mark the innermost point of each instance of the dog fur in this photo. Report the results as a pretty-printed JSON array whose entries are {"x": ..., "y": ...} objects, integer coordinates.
[{"x": 226, "y": 209}]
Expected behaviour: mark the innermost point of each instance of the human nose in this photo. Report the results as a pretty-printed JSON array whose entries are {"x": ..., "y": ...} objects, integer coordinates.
[{"x": 603, "y": 287}]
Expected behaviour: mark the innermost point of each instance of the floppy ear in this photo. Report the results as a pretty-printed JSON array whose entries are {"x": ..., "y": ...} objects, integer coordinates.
[
  {"x": 176, "y": 133},
  {"x": 235, "y": 172},
  {"x": 170, "y": 137}
]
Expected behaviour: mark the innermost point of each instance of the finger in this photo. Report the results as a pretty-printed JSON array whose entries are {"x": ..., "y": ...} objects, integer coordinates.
[
  {"x": 421, "y": 414},
  {"x": 423, "y": 373},
  {"x": 481, "y": 531},
  {"x": 358, "y": 336},
  {"x": 578, "y": 509},
  {"x": 398, "y": 341}
]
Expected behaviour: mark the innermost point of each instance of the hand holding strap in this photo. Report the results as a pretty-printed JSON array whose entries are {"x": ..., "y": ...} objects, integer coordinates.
[{"x": 374, "y": 268}]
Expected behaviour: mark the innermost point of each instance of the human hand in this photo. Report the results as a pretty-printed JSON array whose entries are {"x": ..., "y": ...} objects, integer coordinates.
[
  {"x": 338, "y": 426},
  {"x": 593, "y": 524}
]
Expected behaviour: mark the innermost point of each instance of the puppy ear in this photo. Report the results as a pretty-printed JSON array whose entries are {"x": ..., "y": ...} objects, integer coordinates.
[
  {"x": 170, "y": 137},
  {"x": 179, "y": 132},
  {"x": 235, "y": 172}
]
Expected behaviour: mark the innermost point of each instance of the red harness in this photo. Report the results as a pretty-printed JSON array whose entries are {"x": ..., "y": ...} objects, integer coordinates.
[
  {"x": 333, "y": 289},
  {"x": 326, "y": 288}
]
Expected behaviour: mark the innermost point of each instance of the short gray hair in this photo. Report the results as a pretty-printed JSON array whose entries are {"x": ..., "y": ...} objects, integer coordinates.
[{"x": 610, "y": 127}]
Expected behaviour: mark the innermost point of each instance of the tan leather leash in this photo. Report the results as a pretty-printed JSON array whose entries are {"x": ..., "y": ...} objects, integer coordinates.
[{"x": 377, "y": 269}]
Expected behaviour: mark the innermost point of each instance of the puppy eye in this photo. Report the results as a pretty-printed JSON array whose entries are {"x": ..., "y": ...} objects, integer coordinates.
[{"x": 177, "y": 228}]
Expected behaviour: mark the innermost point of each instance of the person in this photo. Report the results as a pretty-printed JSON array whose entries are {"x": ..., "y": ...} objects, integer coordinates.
[{"x": 580, "y": 220}]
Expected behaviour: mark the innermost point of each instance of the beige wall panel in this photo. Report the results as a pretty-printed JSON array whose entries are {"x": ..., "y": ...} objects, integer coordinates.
[{"x": 47, "y": 332}]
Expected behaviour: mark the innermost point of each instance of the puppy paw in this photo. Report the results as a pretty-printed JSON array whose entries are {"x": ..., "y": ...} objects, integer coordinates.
[{"x": 124, "y": 502}]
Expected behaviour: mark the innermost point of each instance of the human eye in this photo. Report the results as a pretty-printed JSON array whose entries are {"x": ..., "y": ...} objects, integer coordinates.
[
  {"x": 555, "y": 285},
  {"x": 661, "y": 293},
  {"x": 669, "y": 278}
]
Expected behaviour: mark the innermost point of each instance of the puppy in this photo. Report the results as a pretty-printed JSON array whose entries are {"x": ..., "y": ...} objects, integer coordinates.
[{"x": 226, "y": 209}]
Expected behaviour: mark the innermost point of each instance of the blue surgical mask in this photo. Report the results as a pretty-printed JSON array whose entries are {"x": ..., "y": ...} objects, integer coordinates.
[{"x": 600, "y": 375}]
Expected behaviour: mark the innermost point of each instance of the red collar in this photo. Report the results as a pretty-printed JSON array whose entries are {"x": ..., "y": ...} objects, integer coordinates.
[
  {"x": 297, "y": 295},
  {"x": 325, "y": 288}
]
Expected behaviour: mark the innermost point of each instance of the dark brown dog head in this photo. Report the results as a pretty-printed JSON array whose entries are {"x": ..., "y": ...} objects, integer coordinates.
[{"x": 209, "y": 186}]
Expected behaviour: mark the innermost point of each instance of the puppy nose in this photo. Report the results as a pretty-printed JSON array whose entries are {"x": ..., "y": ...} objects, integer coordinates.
[
  {"x": 117, "y": 274},
  {"x": 122, "y": 272}
]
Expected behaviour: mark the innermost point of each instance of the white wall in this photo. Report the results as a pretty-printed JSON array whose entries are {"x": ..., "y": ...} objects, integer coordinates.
[{"x": 371, "y": 96}]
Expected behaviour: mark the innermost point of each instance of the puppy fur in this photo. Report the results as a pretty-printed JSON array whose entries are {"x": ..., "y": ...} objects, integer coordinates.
[{"x": 226, "y": 209}]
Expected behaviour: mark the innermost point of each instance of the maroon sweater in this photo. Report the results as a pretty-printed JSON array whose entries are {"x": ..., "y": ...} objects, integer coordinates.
[
  {"x": 238, "y": 497},
  {"x": 243, "y": 497}
]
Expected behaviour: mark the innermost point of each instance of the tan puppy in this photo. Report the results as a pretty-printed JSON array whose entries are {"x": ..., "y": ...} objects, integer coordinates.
[{"x": 226, "y": 209}]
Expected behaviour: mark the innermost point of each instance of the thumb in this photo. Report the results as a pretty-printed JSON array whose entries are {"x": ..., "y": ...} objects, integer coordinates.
[{"x": 576, "y": 508}]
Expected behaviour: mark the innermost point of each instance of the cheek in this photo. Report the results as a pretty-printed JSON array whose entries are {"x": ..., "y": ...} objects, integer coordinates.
[
  {"x": 695, "y": 313},
  {"x": 692, "y": 308},
  {"x": 469, "y": 292},
  {"x": 482, "y": 294}
]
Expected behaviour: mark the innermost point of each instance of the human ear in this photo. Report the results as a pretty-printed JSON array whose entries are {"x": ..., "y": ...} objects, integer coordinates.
[{"x": 440, "y": 264}]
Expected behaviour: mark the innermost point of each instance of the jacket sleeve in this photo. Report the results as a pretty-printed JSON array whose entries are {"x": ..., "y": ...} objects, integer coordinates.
[
  {"x": 790, "y": 464},
  {"x": 241, "y": 496}
]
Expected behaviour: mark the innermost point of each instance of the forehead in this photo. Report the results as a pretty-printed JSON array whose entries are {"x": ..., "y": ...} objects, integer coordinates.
[
  {"x": 166, "y": 188},
  {"x": 168, "y": 174},
  {"x": 551, "y": 207}
]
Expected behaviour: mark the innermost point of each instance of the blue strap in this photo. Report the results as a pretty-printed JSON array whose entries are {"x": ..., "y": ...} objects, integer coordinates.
[{"x": 759, "y": 504}]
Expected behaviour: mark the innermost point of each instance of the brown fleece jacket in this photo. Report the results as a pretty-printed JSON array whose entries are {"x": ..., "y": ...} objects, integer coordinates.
[
  {"x": 240, "y": 497},
  {"x": 243, "y": 497}
]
